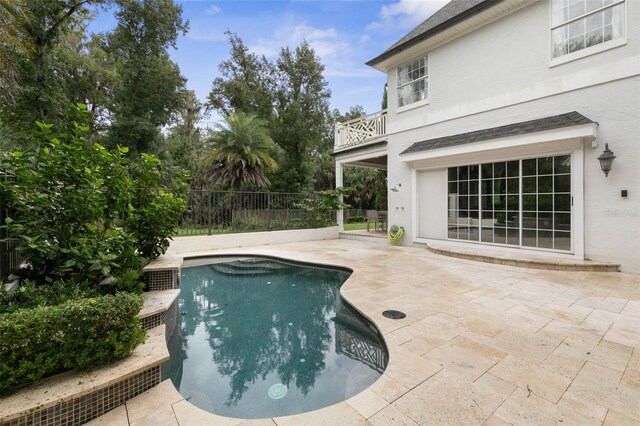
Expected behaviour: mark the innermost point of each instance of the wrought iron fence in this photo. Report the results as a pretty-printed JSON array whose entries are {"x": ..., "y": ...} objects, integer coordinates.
[
  {"x": 9, "y": 258},
  {"x": 220, "y": 212}
]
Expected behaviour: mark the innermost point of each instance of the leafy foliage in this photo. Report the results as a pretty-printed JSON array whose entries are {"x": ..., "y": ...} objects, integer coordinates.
[
  {"x": 367, "y": 187},
  {"x": 30, "y": 295},
  {"x": 247, "y": 84},
  {"x": 80, "y": 334},
  {"x": 13, "y": 20},
  {"x": 76, "y": 212},
  {"x": 185, "y": 142},
  {"x": 42, "y": 74},
  {"x": 156, "y": 210},
  {"x": 323, "y": 204},
  {"x": 125, "y": 76},
  {"x": 241, "y": 155},
  {"x": 149, "y": 89},
  {"x": 291, "y": 95}
]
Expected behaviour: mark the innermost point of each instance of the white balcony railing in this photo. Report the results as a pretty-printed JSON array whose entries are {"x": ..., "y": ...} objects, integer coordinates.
[{"x": 360, "y": 130}]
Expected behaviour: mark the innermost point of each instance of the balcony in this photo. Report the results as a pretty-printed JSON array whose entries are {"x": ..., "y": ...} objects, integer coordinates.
[{"x": 360, "y": 130}]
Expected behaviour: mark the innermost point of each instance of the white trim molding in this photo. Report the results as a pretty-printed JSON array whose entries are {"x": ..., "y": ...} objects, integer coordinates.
[{"x": 580, "y": 132}]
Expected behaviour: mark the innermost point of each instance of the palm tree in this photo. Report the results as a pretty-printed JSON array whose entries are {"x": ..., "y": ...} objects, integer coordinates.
[{"x": 241, "y": 155}]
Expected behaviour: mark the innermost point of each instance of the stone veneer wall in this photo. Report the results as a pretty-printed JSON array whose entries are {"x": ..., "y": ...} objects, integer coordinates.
[{"x": 92, "y": 405}]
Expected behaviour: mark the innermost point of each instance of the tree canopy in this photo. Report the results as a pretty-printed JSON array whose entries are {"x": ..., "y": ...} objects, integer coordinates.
[
  {"x": 241, "y": 154},
  {"x": 290, "y": 94},
  {"x": 125, "y": 76}
]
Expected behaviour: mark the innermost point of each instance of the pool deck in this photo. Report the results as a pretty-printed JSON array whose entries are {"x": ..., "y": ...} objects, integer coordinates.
[{"x": 482, "y": 344}]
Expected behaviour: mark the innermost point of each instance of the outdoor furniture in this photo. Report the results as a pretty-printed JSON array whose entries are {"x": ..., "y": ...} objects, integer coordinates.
[
  {"x": 377, "y": 218},
  {"x": 382, "y": 217}
]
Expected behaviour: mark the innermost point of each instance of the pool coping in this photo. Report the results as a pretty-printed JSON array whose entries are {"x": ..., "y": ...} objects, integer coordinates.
[
  {"x": 165, "y": 394},
  {"x": 71, "y": 397}
]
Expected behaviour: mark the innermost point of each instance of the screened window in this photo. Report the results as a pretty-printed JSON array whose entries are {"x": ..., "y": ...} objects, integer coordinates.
[
  {"x": 579, "y": 24},
  {"x": 412, "y": 82},
  {"x": 522, "y": 203}
]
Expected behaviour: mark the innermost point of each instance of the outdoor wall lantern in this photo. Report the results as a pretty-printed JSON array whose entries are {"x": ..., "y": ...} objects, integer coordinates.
[{"x": 606, "y": 159}]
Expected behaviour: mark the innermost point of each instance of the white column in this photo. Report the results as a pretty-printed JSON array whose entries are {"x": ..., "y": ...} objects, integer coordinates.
[{"x": 339, "y": 184}]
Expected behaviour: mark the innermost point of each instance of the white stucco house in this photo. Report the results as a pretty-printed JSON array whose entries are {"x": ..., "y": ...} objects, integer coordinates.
[{"x": 497, "y": 114}]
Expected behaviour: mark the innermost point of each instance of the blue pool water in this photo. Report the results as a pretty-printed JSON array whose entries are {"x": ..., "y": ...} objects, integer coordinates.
[{"x": 263, "y": 338}]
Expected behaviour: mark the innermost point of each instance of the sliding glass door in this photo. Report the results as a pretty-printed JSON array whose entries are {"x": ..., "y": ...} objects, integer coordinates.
[{"x": 521, "y": 203}]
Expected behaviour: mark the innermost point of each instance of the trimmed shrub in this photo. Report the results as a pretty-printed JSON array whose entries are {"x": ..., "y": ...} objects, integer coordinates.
[
  {"x": 78, "y": 334},
  {"x": 356, "y": 219},
  {"x": 30, "y": 295}
]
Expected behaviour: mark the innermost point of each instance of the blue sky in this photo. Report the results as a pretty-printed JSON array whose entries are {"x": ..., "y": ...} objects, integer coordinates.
[{"x": 345, "y": 34}]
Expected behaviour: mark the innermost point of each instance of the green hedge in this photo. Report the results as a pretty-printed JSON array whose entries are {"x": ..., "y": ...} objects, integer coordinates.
[
  {"x": 356, "y": 219},
  {"x": 78, "y": 334}
]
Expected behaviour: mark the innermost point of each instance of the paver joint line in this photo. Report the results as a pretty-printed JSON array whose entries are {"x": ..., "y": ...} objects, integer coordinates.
[{"x": 475, "y": 316}]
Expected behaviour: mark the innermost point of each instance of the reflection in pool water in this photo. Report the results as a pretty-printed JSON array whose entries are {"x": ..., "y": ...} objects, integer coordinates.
[{"x": 262, "y": 338}]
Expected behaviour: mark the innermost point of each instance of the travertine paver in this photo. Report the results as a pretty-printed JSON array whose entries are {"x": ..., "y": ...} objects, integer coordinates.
[{"x": 481, "y": 344}]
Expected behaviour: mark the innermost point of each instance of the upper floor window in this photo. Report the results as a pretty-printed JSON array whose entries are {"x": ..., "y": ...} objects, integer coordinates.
[
  {"x": 579, "y": 24},
  {"x": 412, "y": 81}
]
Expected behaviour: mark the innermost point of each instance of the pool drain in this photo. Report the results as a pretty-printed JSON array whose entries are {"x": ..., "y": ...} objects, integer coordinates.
[
  {"x": 277, "y": 391},
  {"x": 394, "y": 314}
]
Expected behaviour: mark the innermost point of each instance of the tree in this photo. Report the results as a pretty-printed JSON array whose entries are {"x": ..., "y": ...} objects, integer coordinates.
[
  {"x": 241, "y": 154},
  {"x": 150, "y": 86},
  {"x": 247, "y": 82},
  {"x": 302, "y": 106},
  {"x": 91, "y": 75},
  {"x": 324, "y": 173},
  {"x": 184, "y": 143},
  {"x": 14, "y": 18},
  {"x": 42, "y": 76},
  {"x": 291, "y": 95},
  {"x": 367, "y": 188}
]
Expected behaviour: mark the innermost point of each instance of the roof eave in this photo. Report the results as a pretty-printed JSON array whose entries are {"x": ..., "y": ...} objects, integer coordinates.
[{"x": 422, "y": 37}]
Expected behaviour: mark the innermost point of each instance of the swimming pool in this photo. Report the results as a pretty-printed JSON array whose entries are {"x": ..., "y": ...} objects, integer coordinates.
[{"x": 262, "y": 338}]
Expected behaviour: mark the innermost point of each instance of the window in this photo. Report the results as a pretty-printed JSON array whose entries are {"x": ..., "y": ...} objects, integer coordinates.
[
  {"x": 521, "y": 203},
  {"x": 501, "y": 203},
  {"x": 580, "y": 24},
  {"x": 546, "y": 202},
  {"x": 412, "y": 82}
]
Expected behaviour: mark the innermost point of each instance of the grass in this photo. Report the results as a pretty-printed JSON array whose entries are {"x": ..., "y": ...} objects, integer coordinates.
[{"x": 356, "y": 226}]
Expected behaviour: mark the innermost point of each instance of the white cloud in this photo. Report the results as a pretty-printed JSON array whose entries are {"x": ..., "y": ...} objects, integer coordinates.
[
  {"x": 213, "y": 10},
  {"x": 405, "y": 14},
  {"x": 334, "y": 49}
]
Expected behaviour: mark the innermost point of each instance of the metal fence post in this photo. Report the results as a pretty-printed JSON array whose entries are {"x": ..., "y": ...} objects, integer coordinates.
[
  {"x": 269, "y": 211},
  {"x": 209, "y": 212},
  {"x": 4, "y": 255}
]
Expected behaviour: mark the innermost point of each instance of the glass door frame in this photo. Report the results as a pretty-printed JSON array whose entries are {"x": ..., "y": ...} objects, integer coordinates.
[{"x": 576, "y": 172}]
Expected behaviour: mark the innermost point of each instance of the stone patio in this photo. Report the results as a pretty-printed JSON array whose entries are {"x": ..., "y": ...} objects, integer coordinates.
[{"x": 481, "y": 344}]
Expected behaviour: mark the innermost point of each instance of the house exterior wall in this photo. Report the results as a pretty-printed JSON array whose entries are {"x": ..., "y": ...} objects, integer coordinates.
[{"x": 500, "y": 74}]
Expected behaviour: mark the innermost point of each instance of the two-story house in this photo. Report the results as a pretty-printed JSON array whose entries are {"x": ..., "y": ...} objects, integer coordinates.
[{"x": 499, "y": 113}]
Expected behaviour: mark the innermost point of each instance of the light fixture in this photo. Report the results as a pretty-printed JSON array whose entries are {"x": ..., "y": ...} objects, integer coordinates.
[
  {"x": 396, "y": 188},
  {"x": 606, "y": 159}
]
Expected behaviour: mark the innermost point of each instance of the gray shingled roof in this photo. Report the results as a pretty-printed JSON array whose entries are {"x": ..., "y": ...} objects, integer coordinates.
[
  {"x": 450, "y": 14},
  {"x": 549, "y": 123}
]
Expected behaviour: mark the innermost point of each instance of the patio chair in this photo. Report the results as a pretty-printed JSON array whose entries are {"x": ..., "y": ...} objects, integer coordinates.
[{"x": 372, "y": 217}]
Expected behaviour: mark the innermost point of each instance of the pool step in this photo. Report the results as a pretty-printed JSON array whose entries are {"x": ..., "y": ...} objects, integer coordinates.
[
  {"x": 256, "y": 263},
  {"x": 228, "y": 270},
  {"x": 248, "y": 267},
  {"x": 225, "y": 270}
]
